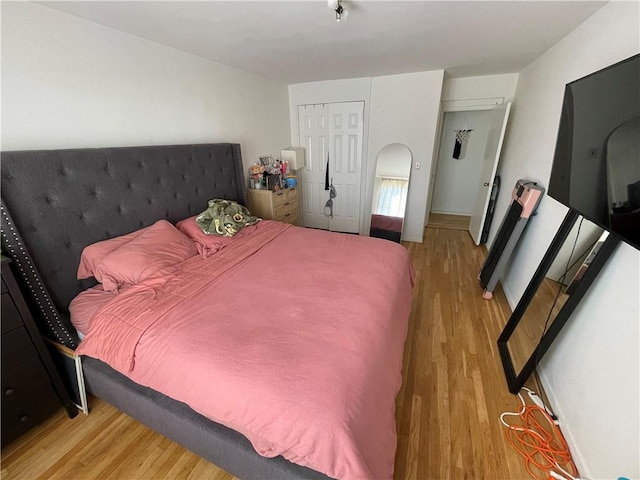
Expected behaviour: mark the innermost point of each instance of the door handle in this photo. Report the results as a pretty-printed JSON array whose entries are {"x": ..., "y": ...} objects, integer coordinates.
[{"x": 486, "y": 184}]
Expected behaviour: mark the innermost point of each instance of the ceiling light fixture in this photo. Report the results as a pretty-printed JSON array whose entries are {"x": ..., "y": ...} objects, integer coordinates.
[{"x": 341, "y": 12}]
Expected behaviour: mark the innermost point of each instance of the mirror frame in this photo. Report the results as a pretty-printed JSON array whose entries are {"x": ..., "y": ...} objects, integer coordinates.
[
  {"x": 516, "y": 380},
  {"x": 384, "y": 234}
]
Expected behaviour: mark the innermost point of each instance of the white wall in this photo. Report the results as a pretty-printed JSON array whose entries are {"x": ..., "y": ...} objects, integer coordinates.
[
  {"x": 458, "y": 180},
  {"x": 487, "y": 86},
  {"x": 592, "y": 372},
  {"x": 405, "y": 109},
  {"x": 398, "y": 109},
  {"x": 67, "y": 83}
]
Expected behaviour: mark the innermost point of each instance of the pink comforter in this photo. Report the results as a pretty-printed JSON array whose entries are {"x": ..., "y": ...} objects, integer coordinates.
[{"x": 293, "y": 337}]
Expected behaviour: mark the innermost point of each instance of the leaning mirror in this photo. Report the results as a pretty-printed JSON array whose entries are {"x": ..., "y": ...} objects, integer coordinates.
[
  {"x": 390, "y": 189},
  {"x": 572, "y": 262}
]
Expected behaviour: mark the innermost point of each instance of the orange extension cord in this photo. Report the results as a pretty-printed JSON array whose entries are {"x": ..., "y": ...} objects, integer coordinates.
[{"x": 536, "y": 436}]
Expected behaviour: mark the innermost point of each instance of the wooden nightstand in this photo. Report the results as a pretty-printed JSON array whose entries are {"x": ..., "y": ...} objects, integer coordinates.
[
  {"x": 281, "y": 205},
  {"x": 31, "y": 387}
]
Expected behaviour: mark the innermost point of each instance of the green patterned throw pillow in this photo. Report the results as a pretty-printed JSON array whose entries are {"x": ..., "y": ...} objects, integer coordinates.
[{"x": 224, "y": 218}]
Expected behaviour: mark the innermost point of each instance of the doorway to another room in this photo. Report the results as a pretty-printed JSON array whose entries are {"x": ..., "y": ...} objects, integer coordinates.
[{"x": 464, "y": 178}]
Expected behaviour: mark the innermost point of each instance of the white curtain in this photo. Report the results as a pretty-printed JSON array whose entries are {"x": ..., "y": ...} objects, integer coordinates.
[{"x": 392, "y": 196}]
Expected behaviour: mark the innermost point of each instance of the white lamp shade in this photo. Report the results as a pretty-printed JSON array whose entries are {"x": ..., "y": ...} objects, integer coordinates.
[{"x": 295, "y": 157}]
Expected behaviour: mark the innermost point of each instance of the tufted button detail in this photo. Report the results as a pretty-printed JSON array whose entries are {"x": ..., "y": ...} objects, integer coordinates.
[
  {"x": 176, "y": 195},
  {"x": 149, "y": 201},
  {"x": 67, "y": 245}
]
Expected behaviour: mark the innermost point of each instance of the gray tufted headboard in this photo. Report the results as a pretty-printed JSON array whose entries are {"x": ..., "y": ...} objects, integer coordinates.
[{"x": 56, "y": 202}]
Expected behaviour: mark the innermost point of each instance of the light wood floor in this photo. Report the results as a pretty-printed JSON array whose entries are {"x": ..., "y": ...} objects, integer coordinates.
[
  {"x": 447, "y": 410},
  {"x": 451, "y": 222}
]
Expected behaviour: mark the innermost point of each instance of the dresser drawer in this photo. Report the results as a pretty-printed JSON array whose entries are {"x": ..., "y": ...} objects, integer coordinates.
[
  {"x": 16, "y": 349},
  {"x": 290, "y": 218},
  {"x": 10, "y": 317},
  {"x": 279, "y": 198},
  {"x": 284, "y": 209},
  {"x": 292, "y": 194}
]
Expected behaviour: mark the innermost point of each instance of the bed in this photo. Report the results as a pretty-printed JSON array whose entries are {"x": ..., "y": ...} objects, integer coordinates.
[{"x": 54, "y": 203}]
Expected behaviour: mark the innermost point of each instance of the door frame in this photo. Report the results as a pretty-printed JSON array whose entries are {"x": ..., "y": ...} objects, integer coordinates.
[{"x": 448, "y": 106}]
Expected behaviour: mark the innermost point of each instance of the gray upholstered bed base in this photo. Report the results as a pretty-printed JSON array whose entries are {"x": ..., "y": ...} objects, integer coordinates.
[
  {"x": 56, "y": 202},
  {"x": 220, "y": 445}
]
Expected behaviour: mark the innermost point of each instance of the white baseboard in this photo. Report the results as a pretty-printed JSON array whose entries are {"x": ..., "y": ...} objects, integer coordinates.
[
  {"x": 556, "y": 407},
  {"x": 459, "y": 214},
  {"x": 511, "y": 300}
]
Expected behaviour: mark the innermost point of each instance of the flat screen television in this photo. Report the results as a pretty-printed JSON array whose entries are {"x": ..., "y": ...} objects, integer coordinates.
[{"x": 596, "y": 166}]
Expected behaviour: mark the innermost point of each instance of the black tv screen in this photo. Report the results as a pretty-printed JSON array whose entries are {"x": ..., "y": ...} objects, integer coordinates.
[{"x": 596, "y": 166}]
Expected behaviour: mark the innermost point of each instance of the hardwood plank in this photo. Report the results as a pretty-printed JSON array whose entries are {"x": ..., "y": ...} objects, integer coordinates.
[
  {"x": 447, "y": 409},
  {"x": 452, "y": 222}
]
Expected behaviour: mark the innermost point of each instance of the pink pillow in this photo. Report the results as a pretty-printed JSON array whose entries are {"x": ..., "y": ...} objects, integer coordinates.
[
  {"x": 94, "y": 253},
  {"x": 159, "y": 246},
  {"x": 209, "y": 244}
]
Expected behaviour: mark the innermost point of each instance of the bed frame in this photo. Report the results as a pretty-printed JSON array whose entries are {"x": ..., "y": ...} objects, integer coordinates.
[{"x": 56, "y": 202}]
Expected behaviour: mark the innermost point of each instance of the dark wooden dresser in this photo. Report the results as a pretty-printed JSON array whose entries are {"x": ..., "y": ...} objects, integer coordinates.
[{"x": 31, "y": 387}]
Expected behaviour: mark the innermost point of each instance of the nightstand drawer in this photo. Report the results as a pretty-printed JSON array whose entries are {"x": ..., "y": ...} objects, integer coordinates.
[
  {"x": 10, "y": 317},
  {"x": 30, "y": 409},
  {"x": 24, "y": 381},
  {"x": 16, "y": 349}
]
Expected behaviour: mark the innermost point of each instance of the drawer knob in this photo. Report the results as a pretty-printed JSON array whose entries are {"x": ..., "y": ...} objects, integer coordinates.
[
  {"x": 9, "y": 391},
  {"x": 24, "y": 418}
]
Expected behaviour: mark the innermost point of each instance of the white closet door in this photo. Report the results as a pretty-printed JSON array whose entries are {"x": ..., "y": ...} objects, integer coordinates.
[
  {"x": 314, "y": 137},
  {"x": 336, "y": 129},
  {"x": 345, "y": 164}
]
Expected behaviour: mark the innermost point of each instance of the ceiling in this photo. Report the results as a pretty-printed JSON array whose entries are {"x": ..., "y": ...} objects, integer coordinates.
[{"x": 300, "y": 41}]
